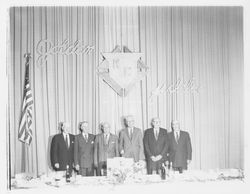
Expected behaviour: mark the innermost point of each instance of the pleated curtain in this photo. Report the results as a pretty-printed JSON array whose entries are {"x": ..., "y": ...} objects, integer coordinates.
[{"x": 194, "y": 56}]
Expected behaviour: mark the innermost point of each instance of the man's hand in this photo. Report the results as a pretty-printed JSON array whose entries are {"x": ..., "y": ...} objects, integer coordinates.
[
  {"x": 158, "y": 157},
  {"x": 77, "y": 167},
  {"x": 56, "y": 165},
  {"x": 153, "y": 158},
  {"x": 188, "y": 161},
  {"x": 122, "y": 152}
]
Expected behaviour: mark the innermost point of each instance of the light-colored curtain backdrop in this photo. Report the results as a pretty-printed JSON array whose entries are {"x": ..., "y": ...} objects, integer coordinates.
[{"x": 203, "y": 44}]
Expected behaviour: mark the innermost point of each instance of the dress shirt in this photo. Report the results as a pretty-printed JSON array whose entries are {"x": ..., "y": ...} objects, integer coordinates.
[
  {"x": 156, "y": 132},
  {"x": 66, "y": 138},
  {"x": 130, "y": 132},
  {"x": 85, "y": 136},
  {"x": 106, "y": 137},
  {"x": 177, "y": 135}
]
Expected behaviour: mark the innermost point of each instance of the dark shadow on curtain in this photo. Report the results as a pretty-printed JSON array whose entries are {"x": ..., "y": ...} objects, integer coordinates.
[{"x": 123, "y": 122}]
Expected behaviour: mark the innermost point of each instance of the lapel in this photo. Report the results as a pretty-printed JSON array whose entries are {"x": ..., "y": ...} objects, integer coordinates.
[
  {"x": 180, "y": 138},
  {"x": 89, "y": 138},
  {"x": 152, "y": 134},
  {"x": 174, "y": 140},
  {"x": 82, "y": 138},
  {"x": 110, "y": 139},
  {"x": 104, "y": 139},
  {"x": 71, "y": 139},
  {"x": 159, "y": 134}
]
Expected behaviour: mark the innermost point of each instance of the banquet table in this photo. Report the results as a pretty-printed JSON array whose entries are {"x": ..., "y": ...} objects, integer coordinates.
[{"x": 192, "y": 181}]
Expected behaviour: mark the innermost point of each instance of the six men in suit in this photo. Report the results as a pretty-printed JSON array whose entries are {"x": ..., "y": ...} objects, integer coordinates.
[{"x": 86, "y": 151}]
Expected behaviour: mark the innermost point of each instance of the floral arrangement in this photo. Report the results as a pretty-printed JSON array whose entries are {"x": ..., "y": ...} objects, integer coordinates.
[
  {"x": 119, "y": 169},
  {"x": 139, "y": 167}
]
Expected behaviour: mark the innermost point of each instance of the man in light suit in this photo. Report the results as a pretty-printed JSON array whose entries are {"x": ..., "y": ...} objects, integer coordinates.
[
  {"x": 131, "y": 141},
  {"x": 180, "y": 150},
  {"x": 156, "y": 146},
  {"x": 106, "y": 146},
  {"x": 84, "y": 151},
  {"x": 62, "y": 149}
]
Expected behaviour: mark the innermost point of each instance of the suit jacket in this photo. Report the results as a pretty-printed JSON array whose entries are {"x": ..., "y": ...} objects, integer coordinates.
[
  {"x": 181, "y": 151},
  {"x": 84, "y": 151},
  {"x": 60, "y": 153},
  {"x": 133, "y": 148},
  {"x": 103, "y": 151},
  {"x": 154, "y": 147}
]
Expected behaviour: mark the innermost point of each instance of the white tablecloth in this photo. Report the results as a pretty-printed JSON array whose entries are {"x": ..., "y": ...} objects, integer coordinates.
[{"x": 26, "y": 182}]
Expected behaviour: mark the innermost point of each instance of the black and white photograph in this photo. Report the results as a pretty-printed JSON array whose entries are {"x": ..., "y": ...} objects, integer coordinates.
[{"x": 136, "y": 98}]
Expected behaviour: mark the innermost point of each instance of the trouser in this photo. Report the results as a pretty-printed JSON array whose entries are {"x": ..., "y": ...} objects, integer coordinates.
[
  {"x": 86, "y": 171},
  {"x": 154, "y": 167},
  {"x": 102, "y": 169}
]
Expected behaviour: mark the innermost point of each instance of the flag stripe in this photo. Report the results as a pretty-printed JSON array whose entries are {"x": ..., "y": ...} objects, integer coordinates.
[
  {"x": 21, "y": 132},
  {"x": 29, "y": 96},
  {"x": 25, "y": 109},
  {"x": 25, "y": 130}
]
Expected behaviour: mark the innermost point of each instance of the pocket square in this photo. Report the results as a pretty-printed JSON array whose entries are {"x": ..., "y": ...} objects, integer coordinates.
[
  {"x": 92, "y": 142},
  {"x": 112, "y": 142}
]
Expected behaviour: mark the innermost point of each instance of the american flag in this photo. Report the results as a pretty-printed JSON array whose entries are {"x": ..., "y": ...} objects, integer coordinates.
[{"x": 25, "y": 132}]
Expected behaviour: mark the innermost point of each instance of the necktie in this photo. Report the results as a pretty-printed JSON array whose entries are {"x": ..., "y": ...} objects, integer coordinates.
[
  {"x": 156, "y": 134},
  {"x": 86, "y": 137},
  {"x": 177, "y": 137},
  {"x": 67, "y": 140},
  {"x": 106, "y": 139},
  {"x": 130, "y": 133}
]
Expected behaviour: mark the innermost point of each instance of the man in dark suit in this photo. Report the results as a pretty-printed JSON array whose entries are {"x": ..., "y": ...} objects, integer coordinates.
[
  {"x": 84, "y": 151},
  {"x": 180, "y": 151},
  {"x": 131, "y": 141},
  {"x": 62, "y": 149},
  {"x": 106, "y": 146},
  {"x": 156, "y": 146}
]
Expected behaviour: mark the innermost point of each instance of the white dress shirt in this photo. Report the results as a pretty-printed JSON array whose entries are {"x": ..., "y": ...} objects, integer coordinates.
[
  {"x": 177, "y": 135},
  {"x": 66, "y": 138},
  {"x": 130, "y": 132},
  {"x": 156, "y": 132},
  {"x": 106, "y": 137},
  {"x": 85, "y": 136}
]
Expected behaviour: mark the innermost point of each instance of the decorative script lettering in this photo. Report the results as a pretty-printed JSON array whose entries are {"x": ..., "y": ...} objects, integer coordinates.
[
  {"x": 179, "y": 85},
  {"x": 45, "y": 48}
]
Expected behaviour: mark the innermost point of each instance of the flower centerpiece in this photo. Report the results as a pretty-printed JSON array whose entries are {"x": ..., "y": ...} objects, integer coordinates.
[{"x": 119, "y": 169}]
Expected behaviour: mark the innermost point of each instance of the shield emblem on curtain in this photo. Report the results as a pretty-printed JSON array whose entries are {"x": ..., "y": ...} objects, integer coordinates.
[
  {"x": 122, "y": 67},
  {"x": 122, "y": 70}
]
